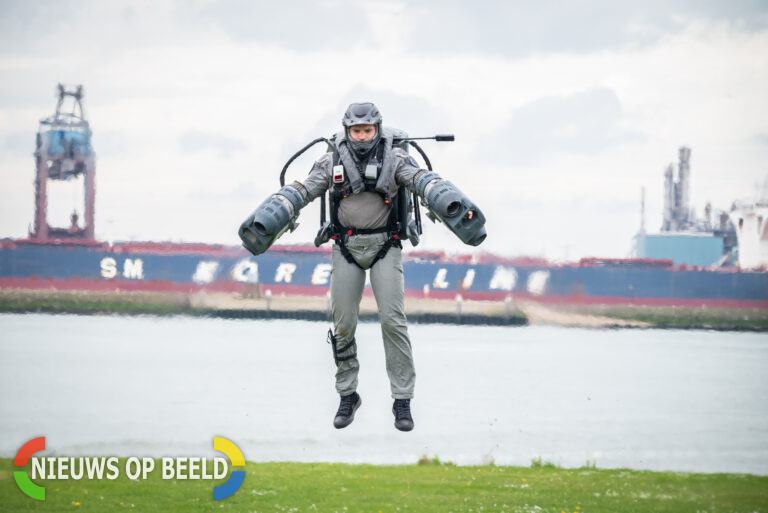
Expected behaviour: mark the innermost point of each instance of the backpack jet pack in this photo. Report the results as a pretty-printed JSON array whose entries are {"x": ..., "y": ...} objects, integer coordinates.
[
  {"x": 452, "y": 207},
  {"x": 271, "y": 219},
  {"x": 446, "y": 203}
]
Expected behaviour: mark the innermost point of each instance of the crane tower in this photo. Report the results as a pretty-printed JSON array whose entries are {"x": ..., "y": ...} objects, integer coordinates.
[{"x": 63, "y": 151}]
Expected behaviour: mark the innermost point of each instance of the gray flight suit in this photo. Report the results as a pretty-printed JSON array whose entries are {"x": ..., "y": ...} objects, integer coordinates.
[{"x": 366, "y": 210}]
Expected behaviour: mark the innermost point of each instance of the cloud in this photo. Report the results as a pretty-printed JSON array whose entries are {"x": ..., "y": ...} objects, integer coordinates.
[
  {"x": 20, "y": 143},
  {"x": 564, "y": 102},
  {"x": 511, "y": 29},
  {"x": 112, "y": 143},
  {"x": 585, "y": 123},
  {"x": 517, "y": 28},
  {"x": 64, "y": 29},
  {"x": 410, "y": 112},
  {"x": 195, "y": 140},
  {"x": 298, "y": 25}
]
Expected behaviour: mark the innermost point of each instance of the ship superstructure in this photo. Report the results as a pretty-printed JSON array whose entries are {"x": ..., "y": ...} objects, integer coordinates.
[{"x": 751, "y": 221}]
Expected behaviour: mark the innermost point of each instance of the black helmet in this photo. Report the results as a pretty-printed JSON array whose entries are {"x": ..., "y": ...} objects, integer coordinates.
[{"x": 362, "y": 114}]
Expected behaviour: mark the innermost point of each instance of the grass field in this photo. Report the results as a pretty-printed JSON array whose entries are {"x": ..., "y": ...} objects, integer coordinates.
[
  {"x": 694, "y": 317},
  {"x": 422, "y": 488},
  {"x": 683, "y": 317}
]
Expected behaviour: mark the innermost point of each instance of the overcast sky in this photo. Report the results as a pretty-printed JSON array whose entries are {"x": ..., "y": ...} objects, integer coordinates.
[{"x": 562, "y": 111}]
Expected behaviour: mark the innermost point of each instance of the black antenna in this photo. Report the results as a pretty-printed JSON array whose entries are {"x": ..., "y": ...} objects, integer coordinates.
[{"x": 439, "y": 138}]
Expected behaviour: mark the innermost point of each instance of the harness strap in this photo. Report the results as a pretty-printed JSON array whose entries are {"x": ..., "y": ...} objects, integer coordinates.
[
  {"x": 340, "y": 191},
  {"x": 345, "y": 252},
  {"x": 394, "y": 240},
  {"x": 366, "y": 231},
  {"x": 337, "y": 350}
]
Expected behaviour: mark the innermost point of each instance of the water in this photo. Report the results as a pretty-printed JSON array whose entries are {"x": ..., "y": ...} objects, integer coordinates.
[{"x": 143, "y": 386}]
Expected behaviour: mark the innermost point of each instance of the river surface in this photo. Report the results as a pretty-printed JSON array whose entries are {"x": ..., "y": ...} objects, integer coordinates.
[{"x": 165, "y": 386}]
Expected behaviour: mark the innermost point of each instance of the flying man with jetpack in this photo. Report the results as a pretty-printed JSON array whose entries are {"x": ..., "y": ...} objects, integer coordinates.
[{"x": 373, "y": 187}]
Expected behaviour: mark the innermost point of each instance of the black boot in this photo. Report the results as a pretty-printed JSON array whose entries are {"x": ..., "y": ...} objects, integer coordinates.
[
  {"x": 347, "y": 408},
  {"x": 402, "y": 410}
]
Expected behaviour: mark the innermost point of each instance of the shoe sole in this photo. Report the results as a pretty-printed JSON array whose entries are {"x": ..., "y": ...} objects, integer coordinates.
[
  {"x": 404, "y": 428},
  {"x": 351, "y": 417}
]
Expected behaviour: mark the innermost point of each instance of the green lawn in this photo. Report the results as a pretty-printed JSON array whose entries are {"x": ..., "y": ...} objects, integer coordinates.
[
  {"x": 752, "y": 319},
  {"x": 302, "y": 487}
]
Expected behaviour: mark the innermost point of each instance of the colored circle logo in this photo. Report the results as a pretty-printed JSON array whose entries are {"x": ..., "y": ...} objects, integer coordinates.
[
  {"x": 21, "y": 459},
  {"x": 235, "y": 481}
]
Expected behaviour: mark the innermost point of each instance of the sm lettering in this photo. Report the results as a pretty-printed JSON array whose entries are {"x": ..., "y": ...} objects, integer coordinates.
[{"x": 133, "y": 268}]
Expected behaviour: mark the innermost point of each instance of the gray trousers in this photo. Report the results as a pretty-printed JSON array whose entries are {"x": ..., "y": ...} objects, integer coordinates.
[{"x": 347, "y": 284}]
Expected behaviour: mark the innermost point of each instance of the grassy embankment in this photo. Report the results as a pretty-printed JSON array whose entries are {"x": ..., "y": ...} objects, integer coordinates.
[
  {"x": 423, "y": 488},
  {"x": 49, "y": 301},
  {"x": 227, "y": 305},
  {"x": 234, "y": 306},
  {"x": 678, "y": 317}
]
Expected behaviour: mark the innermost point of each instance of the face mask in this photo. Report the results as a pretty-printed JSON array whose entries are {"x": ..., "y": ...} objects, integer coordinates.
[{"x": 363, "y": 148}]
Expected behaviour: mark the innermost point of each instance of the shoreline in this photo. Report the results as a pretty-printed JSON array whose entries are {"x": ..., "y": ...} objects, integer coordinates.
[{"x": 418, "y": 310}]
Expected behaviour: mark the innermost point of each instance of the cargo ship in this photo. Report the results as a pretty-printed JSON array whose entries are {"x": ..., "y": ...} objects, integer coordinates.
[{"x": 71, "y": 258}]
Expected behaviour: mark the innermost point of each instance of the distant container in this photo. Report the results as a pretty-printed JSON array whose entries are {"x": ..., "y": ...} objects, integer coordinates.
[{"x": 699, "y": 249}]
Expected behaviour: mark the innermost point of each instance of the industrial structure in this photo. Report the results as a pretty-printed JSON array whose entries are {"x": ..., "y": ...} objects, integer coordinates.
[
  {"x": 685, "y": 238},
  {"x": 63, "y": 152},
  {"x": 677, "y": 213}
]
